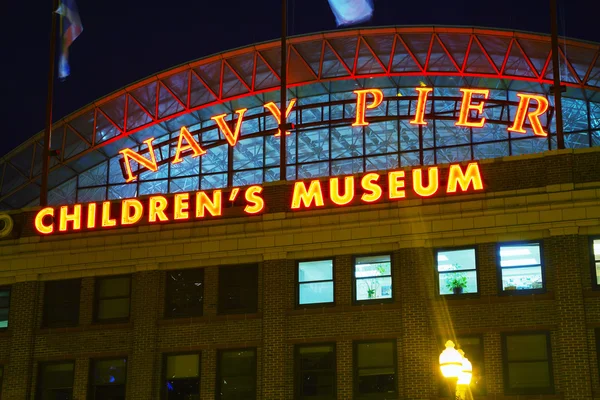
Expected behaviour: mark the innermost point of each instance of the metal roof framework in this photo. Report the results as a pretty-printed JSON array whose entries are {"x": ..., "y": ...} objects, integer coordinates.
[{"x": 163, "y": 103}]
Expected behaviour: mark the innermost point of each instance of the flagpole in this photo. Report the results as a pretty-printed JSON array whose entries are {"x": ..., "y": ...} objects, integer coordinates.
[
  {"x": 283, "y": 90},
  {"x": 48, "y": 129}
]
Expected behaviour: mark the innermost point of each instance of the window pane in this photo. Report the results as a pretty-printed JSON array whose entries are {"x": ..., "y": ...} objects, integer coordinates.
[
  {"x": 473, "y": 348},
  {"x": 185, "y": 389},
  {"x": 110, "y": 372},
  {"x": 3, "y": 318},
  {"x": 452, "y": 279},
  {"x": 237, "y": 374},
  {"x": 514, "y": 256},
  {"x": 315, "y": 271},
  {"x": 312, "y": 293},
  {"x": 528, "y": 375},
  {"x": 521, "y": 267},
  {"x": 375, "y": 354},
  {"x": 452, "y": 260},
  {"x": 113, "y": 309},
  {"x": 596, "y": 249},
  {"x": 522, "y": 278},
  {"x": 114, "y": 287},
  {"x": 457, "y": 271},
  {"x": 374, "y": 288},
  {"x": 185, "y": 293},
  {"x": 372, "y": 266},
  {"x": 238, "y": 289},
  {"x": 183, "y": 366},
  {"x": 61, "y": 303},
  {"x": 57, "y": 376},
  {"x": 526, "y": 347},
  {"x": 4, "y": 297},
  {"x": 316, "y": 372},
  {"x": 377, "y": 380}
]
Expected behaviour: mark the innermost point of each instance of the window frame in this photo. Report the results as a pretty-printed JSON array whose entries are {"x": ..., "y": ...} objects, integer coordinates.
[
  {"x": 526, "y": 391},
  {"x": 595, "y": 285},
  {"x": 91, "y": 386},
  {"x": 166, "y": 313},
  {"x": 437, "y": 273},
  {"x": 297, "y": 280},
  {"x": 163, "y": 379},
  {"x": 9, "y": 288},
  {"x": 297, "y": 369},
  {"x": 45, "y": 323},
  {"x": 499, "y": 268},
  {"x": 38, "y": 380},
  {"x": 218, "y": 372},
  {"x": 242, "y": 311},
  {"x": 355, "y": 393},
  {"x": 97, "y": 299},
  {"x": 354, "y": 280}
]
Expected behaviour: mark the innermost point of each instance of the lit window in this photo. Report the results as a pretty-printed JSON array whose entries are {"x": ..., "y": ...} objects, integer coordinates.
[
  {"x": 55, "y": 381},
  {"x": 315, "y": 282},
  {"x": 238, "y": 289},
  {"x": 596, "y": 261},
  {"x": 61, "y": 303},
  {"x": 237, "y": 374},
  {"x": 184, "y": 293},
  {"x": 113, "y": 298},
  {"x": 373, "y": 278},
  {"x": 4, "y": 307},
  {"x": 315, "y": 372},
  {"x": 375, "y": 371},
  {"x": 457, "y": 271},
  {"x": 108, "y": 379},
  {"x": 527, "y": 363},
  {"x": 182, "y": 377},
  {"x": 521, "y": 267}
]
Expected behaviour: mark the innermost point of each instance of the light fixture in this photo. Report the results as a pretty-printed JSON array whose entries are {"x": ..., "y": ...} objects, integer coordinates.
[
  {"x": 466, "y": 373},
  {"x": 451, "y": 361}
]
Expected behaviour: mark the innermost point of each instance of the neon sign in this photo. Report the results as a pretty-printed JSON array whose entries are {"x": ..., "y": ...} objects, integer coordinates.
[
  {"x": 530, "y": 108},
  {"x": 195, "y": 206}
]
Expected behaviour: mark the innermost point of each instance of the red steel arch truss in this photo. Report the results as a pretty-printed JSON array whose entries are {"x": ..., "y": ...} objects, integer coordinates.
[{"x": 163, "y": 103}]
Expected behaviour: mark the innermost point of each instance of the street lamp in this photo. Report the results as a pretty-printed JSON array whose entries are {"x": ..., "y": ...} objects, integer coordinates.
[{"x": 455, "y": 365}]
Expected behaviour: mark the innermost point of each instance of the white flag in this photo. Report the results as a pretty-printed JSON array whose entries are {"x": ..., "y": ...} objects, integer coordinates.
[{"x": 348, "y": 12}]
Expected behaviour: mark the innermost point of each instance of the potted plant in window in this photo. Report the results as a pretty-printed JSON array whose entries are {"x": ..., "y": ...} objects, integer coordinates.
[
  {"x": 510, "y": 285},
  {"x": 373, "y": 284},
  {"x": 456, "y": 282}
]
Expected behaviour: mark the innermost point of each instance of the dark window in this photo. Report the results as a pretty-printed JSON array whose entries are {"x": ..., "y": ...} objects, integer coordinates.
[
  {"x": 315, "y": 372},
  {"x": 595, "y": 258},
  {"x": 184, "y": 293},
  {"x": 182, "y": 377},
  {"x": 315, "y": 282},
  {"x": 61, "y": 303},
  {"x": 375, "y": 370},
  {"x": 527, "y": 363},
  {"x": 373, "y": 278},
  {"x": 55, "y": 381},
  {"x": 113, "y": 298},
  {"x": 238, "y": 289},
  {"x": 108, "y": 379},
  {"x": 457, "y": 271},
  {"x": 237, "y": 375},
  {"x": 472, "y": 346},
  {"x": 4, "y": 307},
  {"x": 521, "y": 267}
]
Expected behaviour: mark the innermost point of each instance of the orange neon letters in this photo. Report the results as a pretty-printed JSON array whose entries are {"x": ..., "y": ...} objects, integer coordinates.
[
  {"x": 232, "y": 137},
  {"x": 467, "y": 106},
  {"x": 91, "y": 216},
  {"x": 420, "y": 111},
  {"x": 433, "y": 185},
  {"x": 277, "y": 113},
  {"x": 127, "y": 206},
  {"x": 65, "y": 217},
  {"x": 534, "y": 116},
  {"x": 306, "y": 197},
  {"x": 148, "y": 163},
  {"x": 257, "y": 204},
  {"x": 334, "y": 190},
  {"x": 456, "y": 177},
  {"x": 106, "y": 219},
  {"x": 396, "y": 185},
  {"x": 180, "y": 208},
  {"x": 369, "y": 184},
  {"x": 192, "y": 144},
  {"x": 361, "y": 104},
  {"x": 39, "y": 221},
  {"x": 204, "y": 203},
  {"x": 156, "y": 208}
]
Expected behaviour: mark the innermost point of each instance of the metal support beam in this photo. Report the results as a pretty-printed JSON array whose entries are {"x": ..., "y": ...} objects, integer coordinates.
[
  {"x": 557, "y": 89},
  {"x": 283, "y": 89}
]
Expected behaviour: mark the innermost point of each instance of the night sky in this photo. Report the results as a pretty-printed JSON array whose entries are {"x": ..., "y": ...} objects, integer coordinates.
[{"x": 127, "y": 40}]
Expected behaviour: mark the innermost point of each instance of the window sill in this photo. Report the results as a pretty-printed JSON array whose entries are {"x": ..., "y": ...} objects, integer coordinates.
[
  {"x": 492, "y": 299},
  {"x": 207, "y": 319},
  {"x": 343, "y": 309},
  {"x": 82, "y": 328}
]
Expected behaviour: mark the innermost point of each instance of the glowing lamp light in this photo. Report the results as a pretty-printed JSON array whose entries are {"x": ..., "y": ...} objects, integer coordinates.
[
  {"x": 451, "y": 361},
  {"x": 464, "y": 378}
]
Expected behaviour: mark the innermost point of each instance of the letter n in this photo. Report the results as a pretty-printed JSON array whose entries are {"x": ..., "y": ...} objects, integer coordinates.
[{"x": 129, "y": 155}]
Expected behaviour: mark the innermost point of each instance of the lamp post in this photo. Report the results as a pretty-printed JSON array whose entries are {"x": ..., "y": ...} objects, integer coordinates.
[{"x": 456, "y": 366}]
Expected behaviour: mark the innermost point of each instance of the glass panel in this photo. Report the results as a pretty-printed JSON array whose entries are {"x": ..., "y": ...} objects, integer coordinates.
[
  {"x": 113, "y": 308},
  {"x": 522, "y": 278},
  {"x": 372, "y": 266},
  {"x": 312, "y": 293},
  {"x": 513, "y": 256},
  {"x": 528, "y": 375},
  {"x": 183, "y": 366},
  {"x": 521, "y": 267},
  {"x": 467, "y": 281},
  {"x": 526, "y": 347},
  {"x": 377, "y": 380},
  {"x": 316, "y": 371},
  {"x": 185, "y": 293},
  {"x": 57, "y": 375},
  {"x": 473, "y": 348},
  {"x": 237, "y": 375},
  {"x": 114, "y": 287},
  {"x": 457, "y": 271},
  {"x": 184, "y": 389},
  {"x": 375, "y": 354},
  {"x": 315, "y": 271},
  {"x": 596, "y": 249},
  {"x": 374, "y": 288},
  {"x": 110, "y": 371}
]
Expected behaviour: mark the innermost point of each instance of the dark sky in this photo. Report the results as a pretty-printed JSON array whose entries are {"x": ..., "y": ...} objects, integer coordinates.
[{"x": 127, "y": 40}]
